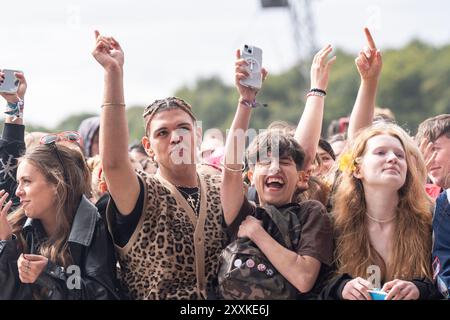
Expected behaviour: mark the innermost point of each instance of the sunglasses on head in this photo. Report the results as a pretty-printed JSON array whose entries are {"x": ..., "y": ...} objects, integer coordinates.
[
  {"x": 51, "y": 139},
  {"x": 70, "y": 136}
]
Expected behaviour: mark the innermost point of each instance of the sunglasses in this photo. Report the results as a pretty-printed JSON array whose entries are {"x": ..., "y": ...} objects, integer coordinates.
[
  {"x": 70, "y": 136},
  {"x": 51, "y": 139}
]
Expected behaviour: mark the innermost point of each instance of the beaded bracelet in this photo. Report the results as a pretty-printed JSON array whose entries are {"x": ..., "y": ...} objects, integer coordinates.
[
  {"x": 315, "y": 93},
  {"x": 319, "y": 92}
]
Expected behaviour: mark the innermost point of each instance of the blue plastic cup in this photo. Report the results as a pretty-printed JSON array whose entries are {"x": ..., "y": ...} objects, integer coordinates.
[{"x": 377, "y": 294}]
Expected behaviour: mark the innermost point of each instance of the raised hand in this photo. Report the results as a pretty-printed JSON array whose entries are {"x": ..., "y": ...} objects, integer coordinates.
[
  {"x": 5, "y": 227},
  {"x": 369, "y": 62},
  {"x": 242, "y": 73},
  {"x": 320, "y": 68},
  {"x": 20, "y": 94},
  {"x": 108, "y": 52}
]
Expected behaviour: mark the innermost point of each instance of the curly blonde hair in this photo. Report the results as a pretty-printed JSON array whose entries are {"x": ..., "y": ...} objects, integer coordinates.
[{"x": 412, "y": 236}]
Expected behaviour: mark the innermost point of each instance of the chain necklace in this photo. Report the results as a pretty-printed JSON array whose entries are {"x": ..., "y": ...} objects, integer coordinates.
[
  {"x": 380, "y": 220},
  {"x": 192, "y": 198}
]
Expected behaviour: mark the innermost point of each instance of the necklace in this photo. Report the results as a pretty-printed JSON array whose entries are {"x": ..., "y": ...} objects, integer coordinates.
[
  {"x": 380, "y": 220},
  {"x": 192, "y": 198}
]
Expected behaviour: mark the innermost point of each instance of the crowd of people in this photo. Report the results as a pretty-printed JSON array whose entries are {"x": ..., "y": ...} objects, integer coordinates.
[{"x": 182, "y": 215}]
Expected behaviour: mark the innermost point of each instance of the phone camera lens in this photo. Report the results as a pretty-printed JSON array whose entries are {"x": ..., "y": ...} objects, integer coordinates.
[
  {"x": 246, "y": 46},
  {"x": 249, "y": 51}
]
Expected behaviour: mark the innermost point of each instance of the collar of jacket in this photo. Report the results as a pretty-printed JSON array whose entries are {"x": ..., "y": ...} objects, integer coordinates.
[{"x": 83, "y": 225}]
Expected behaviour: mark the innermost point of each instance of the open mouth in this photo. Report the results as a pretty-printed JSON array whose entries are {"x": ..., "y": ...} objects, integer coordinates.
[
  {"x": 274, "y": 183},
  {"x": 434, "y": 169},
  {"x": 177, "y": 151},
  {"x": 24, "y": 203}
]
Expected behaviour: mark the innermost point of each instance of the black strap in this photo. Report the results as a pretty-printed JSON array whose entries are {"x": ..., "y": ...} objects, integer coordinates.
[{"x": 280, "y": 220}]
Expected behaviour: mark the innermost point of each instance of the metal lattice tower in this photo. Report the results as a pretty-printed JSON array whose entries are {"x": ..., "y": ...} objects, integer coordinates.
[{"x": 303, "y": 27}]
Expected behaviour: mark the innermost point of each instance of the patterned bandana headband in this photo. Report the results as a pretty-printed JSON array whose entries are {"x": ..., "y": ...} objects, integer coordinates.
[{"x": 160, "y": 105}]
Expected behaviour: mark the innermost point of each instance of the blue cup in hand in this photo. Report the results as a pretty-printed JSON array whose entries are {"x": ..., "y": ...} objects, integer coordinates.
[{"x": 377, "y": 294}]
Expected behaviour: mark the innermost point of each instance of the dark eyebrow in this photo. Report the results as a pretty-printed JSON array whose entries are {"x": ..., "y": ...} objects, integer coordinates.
[
  {"x": 184, "y": 124},
  {"x": 160, "y": 129}
]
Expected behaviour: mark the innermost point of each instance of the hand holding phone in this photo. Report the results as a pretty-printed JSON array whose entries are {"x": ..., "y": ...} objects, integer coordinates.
[
  {"x": 9, "y": 83},
  {"x": 253, "y": 56}
]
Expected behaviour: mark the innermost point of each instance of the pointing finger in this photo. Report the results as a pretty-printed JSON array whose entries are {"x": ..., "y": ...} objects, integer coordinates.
[{"x": 369, "y": 39}]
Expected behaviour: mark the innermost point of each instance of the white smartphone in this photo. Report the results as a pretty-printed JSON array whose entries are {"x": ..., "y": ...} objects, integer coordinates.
[
  {"x": 10, "y": 83},
  {"x": 253, "y": 56}
]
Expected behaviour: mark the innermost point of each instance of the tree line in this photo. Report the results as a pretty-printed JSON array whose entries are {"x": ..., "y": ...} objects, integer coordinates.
[{"x": 414, "y": 84}]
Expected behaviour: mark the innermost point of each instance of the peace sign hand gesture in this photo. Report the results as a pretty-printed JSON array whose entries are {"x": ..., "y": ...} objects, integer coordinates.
[
  {"x": 369, "y": 61},
  {"x": 108, "y": 52}
]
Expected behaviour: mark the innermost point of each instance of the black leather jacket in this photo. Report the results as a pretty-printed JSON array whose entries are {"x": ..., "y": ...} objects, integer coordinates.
[{"x": 92, "y": 252}]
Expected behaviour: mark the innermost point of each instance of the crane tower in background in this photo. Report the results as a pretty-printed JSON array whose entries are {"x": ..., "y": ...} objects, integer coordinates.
[{"x": 302, "y": 21}]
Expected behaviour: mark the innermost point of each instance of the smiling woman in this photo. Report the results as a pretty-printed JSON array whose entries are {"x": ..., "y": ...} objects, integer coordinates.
[
  {"x": 54, "y": 229},
  {"x": 54, "y": 222}
]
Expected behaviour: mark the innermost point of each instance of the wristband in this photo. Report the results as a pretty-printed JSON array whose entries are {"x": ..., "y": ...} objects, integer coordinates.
[
  {"x": 317, "y": 90},
  {"x": 15, "y": 109},
  {"x": 251, "y": 104},
  {"x": 313, "y": 93}
]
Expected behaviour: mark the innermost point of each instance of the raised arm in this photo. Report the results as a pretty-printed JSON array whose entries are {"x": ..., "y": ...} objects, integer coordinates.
[
  {"x": 231, "y": 191},
  {"x": 309, "y": 127},
  {"x": 15, "y": 100},
  {"x": 12, "y": 144},
  {"x": 369, "y": 64},
  {"x": 122, "y": 181}
]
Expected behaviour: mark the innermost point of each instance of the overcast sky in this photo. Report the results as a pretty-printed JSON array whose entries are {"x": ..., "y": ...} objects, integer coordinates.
[{"x": 171, "y": 43}]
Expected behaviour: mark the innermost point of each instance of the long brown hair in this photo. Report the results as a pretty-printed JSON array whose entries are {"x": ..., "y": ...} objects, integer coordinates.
[
  {"x": 411, "y": 255},
  {"x": 71, "y": 184}
]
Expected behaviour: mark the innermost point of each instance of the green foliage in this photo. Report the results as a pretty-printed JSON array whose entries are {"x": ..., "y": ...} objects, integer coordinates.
[
  {"x": 73, "y": 122},
  {"x": 135, "y": 123},
  {"x": 414, "y": 84}
]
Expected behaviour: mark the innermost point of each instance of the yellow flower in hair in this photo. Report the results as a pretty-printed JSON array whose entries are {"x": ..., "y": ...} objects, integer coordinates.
[{"x": 347, "y": 163}]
